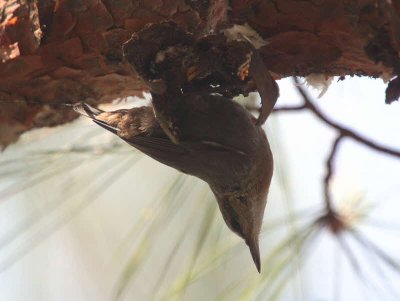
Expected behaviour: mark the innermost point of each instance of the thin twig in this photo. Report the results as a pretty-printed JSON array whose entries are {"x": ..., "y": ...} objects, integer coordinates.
[
  {"x": 354, "y": 262},
  {"x": 380, "y": 254},
  {"x": 329, "y": 172},
  {"x": 343, "y": 132},
  {"x": 290, "y": 108},
  {"x": 375, "y": 249},
  {"x": 342, "y": 129}
]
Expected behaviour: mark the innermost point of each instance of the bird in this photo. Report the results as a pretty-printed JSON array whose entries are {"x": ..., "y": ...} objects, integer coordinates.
[
  {"x": 220, "y": 143},
  {"x": 194, "y": 126}
]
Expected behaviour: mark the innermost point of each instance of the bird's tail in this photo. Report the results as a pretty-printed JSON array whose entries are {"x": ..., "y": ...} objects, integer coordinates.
[{"x": 84, "y": 109}]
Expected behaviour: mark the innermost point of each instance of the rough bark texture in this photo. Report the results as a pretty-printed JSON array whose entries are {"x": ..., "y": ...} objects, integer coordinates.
[{"x": 67, "y": 51}]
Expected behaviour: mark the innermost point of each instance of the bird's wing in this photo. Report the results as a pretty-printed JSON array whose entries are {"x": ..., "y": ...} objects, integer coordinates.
[
  {"x": 86, "y": 110},
  {"x": 157, "y": 147},
  {"x": 91, "y": 112},
  {"x": 192, "y": 157}
]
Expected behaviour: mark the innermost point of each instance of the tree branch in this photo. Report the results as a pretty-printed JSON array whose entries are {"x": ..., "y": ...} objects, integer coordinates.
[
  {"x": 329, "y": 172},
  {"x": 343, "y": 130}
]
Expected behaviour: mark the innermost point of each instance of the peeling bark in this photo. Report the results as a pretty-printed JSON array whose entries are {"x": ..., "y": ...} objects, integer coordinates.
[{"x": 68, "y": 51}]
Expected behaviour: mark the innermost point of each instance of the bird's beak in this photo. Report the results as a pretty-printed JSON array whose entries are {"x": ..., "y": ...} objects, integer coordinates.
[{"x": 255, "y": 252}]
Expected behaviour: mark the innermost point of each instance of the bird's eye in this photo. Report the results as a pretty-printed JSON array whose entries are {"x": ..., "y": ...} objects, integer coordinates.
[
  {"x": 242, "y": 199},
  {"x": 236, "y": 227},
  {"x": 233, "y": 219}
]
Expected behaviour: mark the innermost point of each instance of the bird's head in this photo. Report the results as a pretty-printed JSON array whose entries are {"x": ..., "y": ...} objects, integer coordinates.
[{"x": 243, "y": 214}]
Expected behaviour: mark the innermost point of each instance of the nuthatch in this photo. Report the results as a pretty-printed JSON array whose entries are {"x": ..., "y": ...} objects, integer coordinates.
[{"x": 208, "y": 136}]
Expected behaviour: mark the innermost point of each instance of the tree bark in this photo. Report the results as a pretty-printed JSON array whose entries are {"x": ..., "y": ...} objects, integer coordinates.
[{"x": 68, "y": 51}]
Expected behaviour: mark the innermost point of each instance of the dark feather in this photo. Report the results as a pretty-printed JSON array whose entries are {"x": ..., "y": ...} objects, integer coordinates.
[
  {"x": 266, "y": 86},
  {"x": 106, "y": 126}
]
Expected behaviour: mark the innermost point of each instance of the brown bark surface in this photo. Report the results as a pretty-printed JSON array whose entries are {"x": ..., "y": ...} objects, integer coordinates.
[{"x": 68, "y": 51}]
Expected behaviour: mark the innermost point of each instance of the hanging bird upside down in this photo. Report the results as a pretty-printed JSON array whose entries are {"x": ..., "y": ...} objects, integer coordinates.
[{"x": 194, "y": 126}]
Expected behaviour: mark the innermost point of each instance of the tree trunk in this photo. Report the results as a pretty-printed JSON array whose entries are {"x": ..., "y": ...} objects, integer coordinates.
[{"x": 67, "y": 51}]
